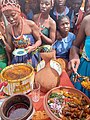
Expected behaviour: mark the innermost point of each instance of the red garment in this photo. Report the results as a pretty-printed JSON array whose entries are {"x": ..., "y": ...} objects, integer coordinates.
[{"x": 78, "y": 22}]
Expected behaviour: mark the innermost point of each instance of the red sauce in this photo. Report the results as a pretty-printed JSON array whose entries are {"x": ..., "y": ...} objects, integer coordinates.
[{"x": 17, "y": 111}]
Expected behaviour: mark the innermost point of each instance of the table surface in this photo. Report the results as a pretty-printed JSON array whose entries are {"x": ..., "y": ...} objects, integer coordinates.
[
  {"x": 39, "y": 108},
  {"x": 64, "y": 81}
]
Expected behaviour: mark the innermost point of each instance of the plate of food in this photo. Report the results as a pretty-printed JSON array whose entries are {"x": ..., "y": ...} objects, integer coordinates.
[
  {"x": 84, "y": 80},
  {"x": 66, "y": 103},
  {"x": 19, "y": 52}
]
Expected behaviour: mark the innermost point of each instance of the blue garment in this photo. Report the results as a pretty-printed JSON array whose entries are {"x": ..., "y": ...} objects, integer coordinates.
[
  {"x": 55, "y": 15},
  {"x": 23, "y": 43},
  {"x": 63, "y": 46},
  {"x": 84, "y": 68},
  {"x": 30, "y": 15},
  {"x": 87, "y": 47}
]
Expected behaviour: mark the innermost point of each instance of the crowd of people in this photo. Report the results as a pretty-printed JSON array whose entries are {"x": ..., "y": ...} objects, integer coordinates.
[{"x": 64, "y": 24}]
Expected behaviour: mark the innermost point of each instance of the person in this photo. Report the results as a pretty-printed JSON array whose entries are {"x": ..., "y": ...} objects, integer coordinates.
[
  {"x": 75, "y": 15},
  {"x": 34, "y": 5},
  {"x": 46, "y": 24},
  {"x": 4, "y": 47},
  {"x": 29, "y": 13},
  {"x": 21, "y": 33},
  {"x": 87, "y": 7},
  {"x": 64, "y": 38},
  {"x": 58, "y": 10},
  {"x": 22, "y": 5},
  {"x": 81, "y": 67}
]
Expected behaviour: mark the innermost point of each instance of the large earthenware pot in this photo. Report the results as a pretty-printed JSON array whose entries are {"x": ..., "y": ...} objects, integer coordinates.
[
  {"x": 19, "y": 77},
  {"x": 48, "y": 75},
  {"x": 17, "y": 107}
]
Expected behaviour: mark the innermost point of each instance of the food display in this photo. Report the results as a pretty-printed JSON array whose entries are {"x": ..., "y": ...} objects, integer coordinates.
[
  {"x": 19, "y": 77},
  {"x": 84, "y": 80},
  {"x": 65, "y": 103},
  {"x": 40, "y": 115},
  {"x": 17, "y": 72},
  {"x": 86, "y": 84}
]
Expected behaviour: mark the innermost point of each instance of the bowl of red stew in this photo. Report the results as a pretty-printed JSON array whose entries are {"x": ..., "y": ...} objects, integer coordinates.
[
  {"x": 17, "y": 107},
  {"x": 66, "y": 103}
]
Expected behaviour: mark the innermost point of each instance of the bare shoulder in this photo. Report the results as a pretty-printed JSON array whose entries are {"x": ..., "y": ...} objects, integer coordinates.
[
  {"x": 86, "y": 19},
  {"x": 35, "y": 17},
  {"x": 52, "y": 22},
  {"x": 30, "y": 22}
]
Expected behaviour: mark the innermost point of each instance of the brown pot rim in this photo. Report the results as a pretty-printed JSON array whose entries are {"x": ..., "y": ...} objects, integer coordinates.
[
  {"x": 15, "y": 80},
  {"x": 29, "y": 111},
  {"x": 60, "y": 87}
]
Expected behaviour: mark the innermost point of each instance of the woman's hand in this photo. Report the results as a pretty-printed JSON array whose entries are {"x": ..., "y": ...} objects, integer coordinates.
[
  {"x": 74, "y": 64},
  {"x": 30, "y": 49}
]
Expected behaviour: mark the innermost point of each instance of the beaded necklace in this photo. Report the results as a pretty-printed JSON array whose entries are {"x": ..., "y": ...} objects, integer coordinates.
[
  {"x": 20, "y": 36},
  {"x": 42, "y": 26}
]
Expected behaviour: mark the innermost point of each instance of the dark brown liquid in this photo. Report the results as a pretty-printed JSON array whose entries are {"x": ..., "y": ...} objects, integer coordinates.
[{"x": 17, "y": 111}]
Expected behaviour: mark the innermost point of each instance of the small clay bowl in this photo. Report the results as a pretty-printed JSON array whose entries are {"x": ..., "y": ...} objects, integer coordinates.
[{"x": 16, "y": 107}]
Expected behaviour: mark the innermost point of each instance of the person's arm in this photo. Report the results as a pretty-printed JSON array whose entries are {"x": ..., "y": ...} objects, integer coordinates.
[
  {"x": 36, "y": 34},
  {"x": 9, "y": 58},
  {"x": 9, "y": 38},
  {"x": 7, "y": 47},
  {"x": 52, "y": 33},
  {"x": 74, "y": 51}
]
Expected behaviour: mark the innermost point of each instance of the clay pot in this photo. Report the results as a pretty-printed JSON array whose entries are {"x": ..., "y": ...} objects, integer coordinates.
[
  {"x": 23, "y": 107},
  {"x": 48, "y": 76},
  {"x": 56, "y": 90},
  {"x": 47, "y": 56}
]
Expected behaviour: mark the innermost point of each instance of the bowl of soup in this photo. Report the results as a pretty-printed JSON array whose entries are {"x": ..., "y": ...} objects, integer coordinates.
[{"x": 19, "y": 77}]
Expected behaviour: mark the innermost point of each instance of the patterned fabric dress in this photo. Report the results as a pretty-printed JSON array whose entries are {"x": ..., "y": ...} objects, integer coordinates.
[
  {"x": 84, "y": 68},
  {"x": 29, "y": 57}
]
